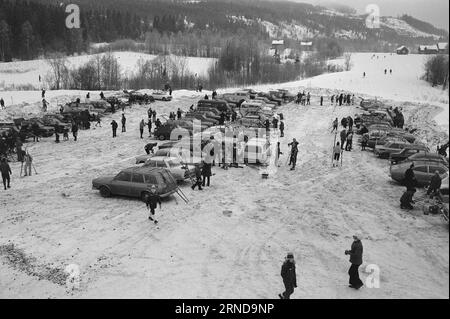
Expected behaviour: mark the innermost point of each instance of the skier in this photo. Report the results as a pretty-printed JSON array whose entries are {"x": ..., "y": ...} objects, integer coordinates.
[
  {"x": 277, "y": 160},
  {"x": 198, "y": 176},
  {"x": 289, "y": 276},
  {"x": 114, "y": 126},
  {"x": 141, "y": 127},
  {"x": 335, "y": 125},
  {"x": 356, "y": 254},
  {"x": 336, "y": 154},
  {"x": 281, "y": 129},
  {"x": 28, "y": 162},
  {"x": 6, "y": 172},
  {"x": 124, "y": 120},
  {"x": 294, "y": 152},
  {"x": 75, "y": 131},
  {"x": 151, "y": 201}
]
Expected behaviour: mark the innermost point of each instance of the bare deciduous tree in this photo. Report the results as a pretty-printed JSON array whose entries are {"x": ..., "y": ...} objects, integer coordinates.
[
  {"x": 348, "y": 63},
  {"x": 58, "y": 76}
]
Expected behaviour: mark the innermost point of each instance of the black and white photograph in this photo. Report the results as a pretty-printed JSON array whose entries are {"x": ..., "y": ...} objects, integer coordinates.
[{"x": 256, "y": 150}]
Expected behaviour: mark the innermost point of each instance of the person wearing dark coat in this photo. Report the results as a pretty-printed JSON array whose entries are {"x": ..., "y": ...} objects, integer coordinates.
[
  {"x": 343, "y": 136},
  {"x": 149, "y": 125},
  {"x": 341, "y": 97},
  {"x": 75, "y": 131},
  {"x": 198, "y": 178},
  {"x": 102, "y": 96},
  {"x": 410, "y": 178},
  {"x": 206, "y": 97},
  {"x": 344, "y": 122},
  {"x": 281, "y": 129},
  {"x": 350, "y": 122},
  {"x": 114, "y": 126},
  {"x": 2, "y": 103},
  {"x": 289, "y": 276},
  {"x": 267, "y": 125},
  {"x": 275, "y": 123},
  {"x": 151, "y": 201},
  {"x": 321, "y": 101},
  {"x": 206, "y": 173},
  {"x": 6, "y": 172},
  {"x": 435, "y": 184},
  {"x": 356, "y": 254},
  {"x": 179, "y": 112},
  {"x": 124, "y": 120},
  {"x": 407, "y": 199},
  {"x": 294, "y": 152}
]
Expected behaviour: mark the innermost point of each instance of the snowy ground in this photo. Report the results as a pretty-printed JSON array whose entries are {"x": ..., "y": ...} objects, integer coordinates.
[
  {"x": 27, "y": 72},
  {"x": 54, "y": 219}
]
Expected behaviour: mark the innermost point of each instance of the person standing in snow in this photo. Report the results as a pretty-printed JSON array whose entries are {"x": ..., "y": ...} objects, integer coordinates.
[
  {"x": 43, "y": 93},
  {"x": 2, "y": 103},
  {"x": 75, "y": 131},
  {"x": 151, "y": 201},
  {"x": 343, "y": 136},
  {"x": 206, "y": 174},
  {"x": 435, "y": 184},
  {"x": 279, "y": 152},
  {"x": 179, "y": 113},
  {"x": 289, "y": 276},
  {"x": 348, "y": 146},
  {"x": 141, "y": 127},
  {"x": 124, "y": 121},
  {"x": 198, "y": 178},
  {"x": 281, "y": 129},
  {"x": 5, "y": 170},
  {"x": 114, "y": 126},
  {"x": 356, "y": 254},
  {"x": 335, "y": 125},
  {"x": 321, "y": 101},
  {"x": 336, "y": 154},
  {"x": 364, "y": 141},
  {"x": 332, "y": 99},
  {"x": 294, "y": 152},
  {"x": 28, "y": 162}
]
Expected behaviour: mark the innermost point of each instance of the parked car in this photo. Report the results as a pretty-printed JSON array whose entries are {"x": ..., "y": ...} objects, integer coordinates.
[
  {"x": 220, "y": 105},
  {"x": 57, "y": 122},
  {"x": 135, "y": 181},
  {"x": 161, "y": 96},
  {"x": 409, "y": 150},
  {"x": 257, "y": 151},
  {"x": 186, "y": 155},
  {"x": 178, "y": 170},
  {"x": 169, "y": 131},
  {"x": 134, "y": 97},
  {"x": 423, "y": 171},
  {"x": 384, "y": 151},
  {"x": 428, "y": 157},
  {"x": 35, "y": 125}
]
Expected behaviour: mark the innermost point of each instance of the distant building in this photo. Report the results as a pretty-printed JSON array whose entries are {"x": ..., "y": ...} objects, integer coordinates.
[
  {"x": 402, "y": 50},
  {"x": 428, "y": 49},
  {"x": 443, "y": 47},
  {"x": 306, "y": 46}
]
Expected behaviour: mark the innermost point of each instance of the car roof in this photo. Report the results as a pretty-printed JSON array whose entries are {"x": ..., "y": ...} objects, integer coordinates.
[{"x": 143, "y": 170}]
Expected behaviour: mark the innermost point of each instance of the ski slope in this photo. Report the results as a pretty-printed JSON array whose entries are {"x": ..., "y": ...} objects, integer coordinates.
[{"x": 27, "y": 72}]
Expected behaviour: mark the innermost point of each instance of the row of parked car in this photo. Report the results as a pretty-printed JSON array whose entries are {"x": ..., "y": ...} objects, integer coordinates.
[
  {"x": 402, "y": 148},
  {"x": 171, "y": 163}
]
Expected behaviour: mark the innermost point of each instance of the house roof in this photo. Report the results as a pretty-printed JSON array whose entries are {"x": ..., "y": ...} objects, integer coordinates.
[
  {"x": 428, "y": 47},
  {"x": 442, "y": 45},
  {"x": 306, "y": 43},
  {"x": 278, "y": 42}
]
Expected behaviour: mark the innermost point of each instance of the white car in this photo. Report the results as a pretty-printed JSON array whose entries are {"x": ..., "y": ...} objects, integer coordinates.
[
  {"x": 257, "y": 151},
  {"x": 179, "y": 171},
  {"x": 162, "y": 96}
]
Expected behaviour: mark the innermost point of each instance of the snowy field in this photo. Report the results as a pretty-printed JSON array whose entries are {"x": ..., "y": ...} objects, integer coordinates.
[
  {"x": 27, "y": 72},
  {"x": 54, "y": 219}
]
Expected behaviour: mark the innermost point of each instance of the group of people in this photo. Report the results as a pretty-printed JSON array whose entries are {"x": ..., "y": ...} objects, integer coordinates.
[
  {"x": 303, "y": 98},
  {"x": 289, "y": 276},
  {"x": 342, "y": 99}
]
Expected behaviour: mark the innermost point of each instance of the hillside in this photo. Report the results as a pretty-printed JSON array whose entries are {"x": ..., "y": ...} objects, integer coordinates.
[{"x": 34, "y": 27}]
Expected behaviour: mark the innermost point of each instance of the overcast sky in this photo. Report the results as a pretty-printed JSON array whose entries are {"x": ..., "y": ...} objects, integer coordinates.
[{"x": 433, "y": 11}]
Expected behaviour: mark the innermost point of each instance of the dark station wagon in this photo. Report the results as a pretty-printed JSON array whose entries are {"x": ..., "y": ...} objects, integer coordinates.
[{"x": 135, "y": 182}]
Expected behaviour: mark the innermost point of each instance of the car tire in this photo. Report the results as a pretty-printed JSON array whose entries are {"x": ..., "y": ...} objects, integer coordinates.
[
  {"x": 105, "y": 192},
  {"x": 144, "y": 196}
]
